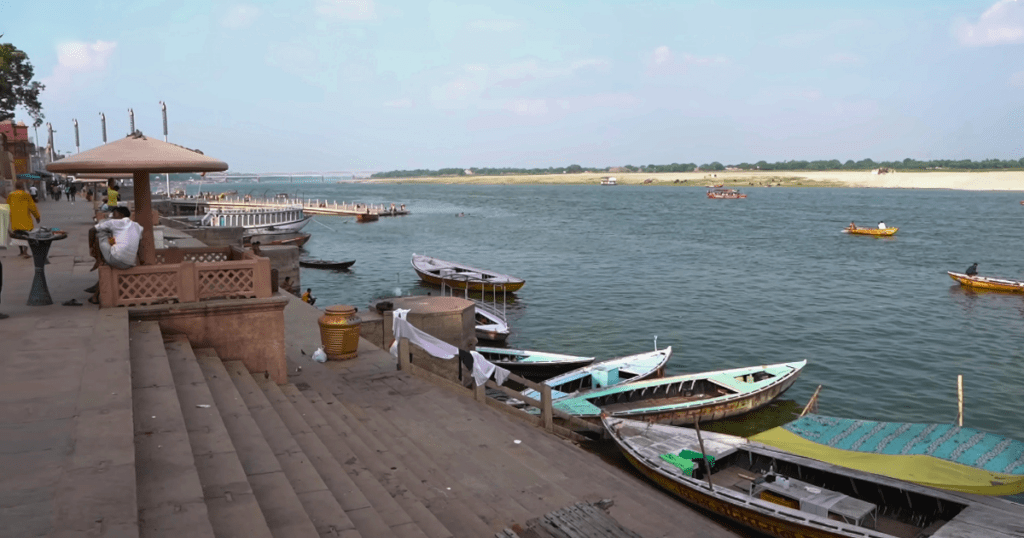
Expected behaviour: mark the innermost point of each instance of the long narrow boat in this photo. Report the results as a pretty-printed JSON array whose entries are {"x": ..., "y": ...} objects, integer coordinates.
[
  {"x": 325, "y": 264},
  {"x": 987, "y": 283},
  {"x": 277, "y": 238},
  {"x": 785, "y": 495},
  {"x": 533, "y": 364},
  {"x": 605, "y": 374},
  {"x": 880, "y": 232},
  {"x": 460, "y": 276},
  {"x": 719, "y": 193},
  {"x": 942, "y": 456},
  {"x": 684, "y": 399}
]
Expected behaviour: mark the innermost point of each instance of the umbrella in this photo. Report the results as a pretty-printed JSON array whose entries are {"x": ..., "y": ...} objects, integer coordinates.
[{"x": 140, "y": 156}]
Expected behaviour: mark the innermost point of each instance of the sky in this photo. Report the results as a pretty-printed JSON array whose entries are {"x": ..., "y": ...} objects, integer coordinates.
[{"x": 370, "y": 85}]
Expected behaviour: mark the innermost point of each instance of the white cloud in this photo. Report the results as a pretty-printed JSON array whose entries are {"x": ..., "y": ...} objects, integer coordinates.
[
  {"x": 77, "y": 61},
  {"x": 664, "y": 60},
  {"x": 404, "y": 102},
  {"x": 494, "y": 25},
  {"x": 1017, "y": 79},
  {"x": 241, "y": 16},
  {"x": 526, "y": 107},
  {"x": 1001, "y": 24},
  {"x": 347, "y": 9},
  {"x": 844, "y": 58},
  {"x": 600, "y": 100}
]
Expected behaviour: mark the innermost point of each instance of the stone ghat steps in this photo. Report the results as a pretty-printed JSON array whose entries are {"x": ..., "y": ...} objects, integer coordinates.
[{"x": 222, "y": 453}]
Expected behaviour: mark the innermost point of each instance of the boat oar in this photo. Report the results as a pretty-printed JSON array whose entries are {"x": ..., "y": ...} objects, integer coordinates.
[{"x": 323, "y": 224}]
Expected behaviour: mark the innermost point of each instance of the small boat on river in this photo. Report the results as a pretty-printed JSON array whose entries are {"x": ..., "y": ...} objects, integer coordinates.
[
  {"x": 942, "y": 456},
  {"x": 325, "y": 264},
  {"x": 367, "y": 217},
  {"x": 607, "y": 373},
  {"x": 879, "y": 232},
  {"x": 460, "y": 276},
  {"x": 277, "y": 238},
  {"x": 785, "y": 495},
  {"x": 725, "y": 194},
  {"x": 987, "y": 283},
  {"x": 533, "y": 364},
  {"x": 491, "y": 326},
  {"x": 684, "y": 399}
]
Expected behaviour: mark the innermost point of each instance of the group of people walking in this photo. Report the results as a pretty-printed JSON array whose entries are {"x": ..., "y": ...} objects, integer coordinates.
[{"x": 68, "y": 189}]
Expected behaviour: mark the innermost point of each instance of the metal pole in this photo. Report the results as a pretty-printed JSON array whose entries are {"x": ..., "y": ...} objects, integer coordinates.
[
  {"x": 131, "y": 121},
  {"x": 163, "y": 108},
  {"x": 103, "y": 125},
  {"x": 77, "y": 146}
]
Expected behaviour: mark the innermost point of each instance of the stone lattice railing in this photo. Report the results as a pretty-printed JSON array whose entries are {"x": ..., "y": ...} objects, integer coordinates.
[{"x": 187, "y": 275}]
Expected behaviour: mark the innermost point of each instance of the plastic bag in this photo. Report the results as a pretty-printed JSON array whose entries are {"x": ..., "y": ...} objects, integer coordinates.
[{"x": 319, "y": 355}]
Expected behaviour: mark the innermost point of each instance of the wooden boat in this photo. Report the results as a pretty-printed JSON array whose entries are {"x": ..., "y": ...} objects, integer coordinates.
[
  {"x": 987, "y": 283},
  {"x": 785, "y": 495},
  {"x": 325, "y": 264},
  {"x": 880, "y": 232},
  {"x": 608, "y": 373},
  {"x": 367, "y": 217},
  {"x": 460, "y": 277},
  {"x": 533, "y": 364},
  {"x": 725, "y": 194},
  {"x": 942, "y": 456},
  {"x": 277, "y": 238},
  {"x": 684, "y": 399},
  {"x": 490, "y": 324}
]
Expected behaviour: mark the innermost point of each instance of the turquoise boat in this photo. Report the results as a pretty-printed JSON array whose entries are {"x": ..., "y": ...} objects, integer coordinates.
[
  {"x": 943, "y": 456},
  {"x": 606, "y": 374},
  {"x": 685, "y": 399}
]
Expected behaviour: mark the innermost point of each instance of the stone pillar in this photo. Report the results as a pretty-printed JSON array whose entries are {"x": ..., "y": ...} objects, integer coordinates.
[
  {"x": 284, "y": 258},
  {"x": 450, "y": 319},
  {"x": 144, "y": 216}
]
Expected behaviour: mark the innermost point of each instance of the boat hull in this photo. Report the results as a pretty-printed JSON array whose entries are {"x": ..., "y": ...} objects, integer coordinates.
[
  {"x": 464, "y": 280},
  {"x": 872, "y": 231},
  {"x": 323, "y": 264},
  {"x": 284, "y": 238},
  {"x": 985, "y": 283},
  {"x": 367, "y": 217}
]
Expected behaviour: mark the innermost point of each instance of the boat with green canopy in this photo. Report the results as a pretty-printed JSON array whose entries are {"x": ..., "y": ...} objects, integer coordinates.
[
  {"x": 943, "y": 456},
  {"x": 685, "y": 399}
]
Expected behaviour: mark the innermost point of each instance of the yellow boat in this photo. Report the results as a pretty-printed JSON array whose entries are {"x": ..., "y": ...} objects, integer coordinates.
[
  {"x": 459, "y": 276},
  {"x": 881, "y": 232},
  {"x": 987, "y": 283}
]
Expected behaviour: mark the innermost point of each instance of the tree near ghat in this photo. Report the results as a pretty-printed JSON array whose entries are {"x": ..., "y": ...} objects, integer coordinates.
[{"x": 16, "y": 85}]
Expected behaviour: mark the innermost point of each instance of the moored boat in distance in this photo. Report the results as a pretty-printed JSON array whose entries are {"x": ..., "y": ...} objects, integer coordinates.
[
  {"x": 257, "y": 220},
  {"x": 987, "y": 283},
  {"x": 607, "y": 373},
  {"x": 785, "y": 495},
  {"x": 325, "y": 264},
  {"x": 719, "y": 193},
  {"x": 880, "y": 232},
  {"x": 533, "y": 364},
  {"x": 277, "y": 238},
  {"x": 685, "y": 399},
  {"x": 460, "y": 276},
  {"x": 944, "y": 456}
]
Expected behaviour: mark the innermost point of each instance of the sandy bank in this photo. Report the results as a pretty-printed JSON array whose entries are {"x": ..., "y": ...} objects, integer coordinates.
[{"x": 972, "y": 181}]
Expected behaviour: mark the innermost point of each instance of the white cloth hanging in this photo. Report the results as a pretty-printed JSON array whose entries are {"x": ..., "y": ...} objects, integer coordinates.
[{"x": 483, "y": 369}]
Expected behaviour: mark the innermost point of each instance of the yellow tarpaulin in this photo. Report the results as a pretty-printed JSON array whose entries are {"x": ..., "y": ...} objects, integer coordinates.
[{"x": 919, "y": 469}]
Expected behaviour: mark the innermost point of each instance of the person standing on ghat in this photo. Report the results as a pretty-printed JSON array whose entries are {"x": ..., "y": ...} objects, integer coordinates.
[{"x": 23, "y": 208}]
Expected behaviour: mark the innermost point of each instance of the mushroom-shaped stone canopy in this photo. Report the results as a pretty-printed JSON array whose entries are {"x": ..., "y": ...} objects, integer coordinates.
[{"x": 140, "y": 156}]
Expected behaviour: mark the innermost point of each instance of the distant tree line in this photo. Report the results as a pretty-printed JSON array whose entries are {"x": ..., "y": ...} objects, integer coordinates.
[{"x": 834, "y": 164}]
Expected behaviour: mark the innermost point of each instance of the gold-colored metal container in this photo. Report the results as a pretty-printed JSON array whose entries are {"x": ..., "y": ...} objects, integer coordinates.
[{"x": 339, "y": 332}]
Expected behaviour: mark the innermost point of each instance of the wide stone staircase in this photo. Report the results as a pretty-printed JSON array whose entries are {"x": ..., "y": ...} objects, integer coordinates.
[{"x": 221, "y": 452}]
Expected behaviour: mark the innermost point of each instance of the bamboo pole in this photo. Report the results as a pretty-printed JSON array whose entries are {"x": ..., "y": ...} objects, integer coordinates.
[
  {"x": 812, "y": 402},
  {"x": 707, "y": 464},
  {"x": 960, "y": 399}
]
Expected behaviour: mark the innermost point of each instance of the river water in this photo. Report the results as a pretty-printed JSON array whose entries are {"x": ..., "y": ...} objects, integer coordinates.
[{"x": 726, "y": 283}]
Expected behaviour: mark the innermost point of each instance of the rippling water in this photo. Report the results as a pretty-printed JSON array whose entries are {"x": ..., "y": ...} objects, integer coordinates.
[{"x": 727, "y": 283}]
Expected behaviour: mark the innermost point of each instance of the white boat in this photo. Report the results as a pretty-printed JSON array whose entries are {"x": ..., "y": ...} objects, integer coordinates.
[
  {"x": 533, "y": 364},
  {"x": 257, "y": 219},
  {"x": 490, "y": 324},
  {"x": 608, "y": 181},
  {"x": 607, "y": 373}
]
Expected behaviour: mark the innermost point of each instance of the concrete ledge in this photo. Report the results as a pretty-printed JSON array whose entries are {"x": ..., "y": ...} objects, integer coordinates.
[{"x": 247, "y": 330}]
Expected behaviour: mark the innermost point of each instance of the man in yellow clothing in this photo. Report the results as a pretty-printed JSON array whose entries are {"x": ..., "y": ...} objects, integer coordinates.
[{"x": 23, "y": 208}]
